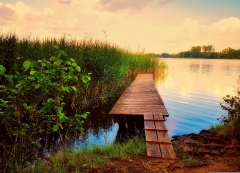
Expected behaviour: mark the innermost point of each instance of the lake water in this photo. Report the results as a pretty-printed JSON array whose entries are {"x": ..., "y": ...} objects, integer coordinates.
[{"x": 192, "y": 90}]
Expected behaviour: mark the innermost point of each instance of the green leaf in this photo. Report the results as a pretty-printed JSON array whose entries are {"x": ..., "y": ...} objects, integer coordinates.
[
  {"x": 53, "y": 58},
  {"x": 18, "y": 85},
  {"x": 78, "y": 68},
  {"x": 57, "y": 62},
  {"x": 62, "y": 53},
  {"x": 62, "y": 117},
  {"x": 4, "y": 103},
  {"x": 74, "y": 64},
  {"x": 10, "y": 77},
  {"x": 65, "y": 89},
  {"x": 70, "y": 68},
  {"x": 26, "y": 64},
  {"x": 36, "y": 86},
  {"x": 24, "y": 104},
  {"x": 85, "y": 115},
  {"x": 55, "y": 128},
  {"x": 68, "y": 62},
  {"x": 71, "y": 59},
  {"x": 10, "y": 97},
  {"x": 32, "y": 72},
  {"x": 85, "y": 79},
  {"x": 39, "y": 61},
  {"x": 55, "y": 46},
  {"x": 34, "y": 64},
  {"x": 60, "y": 126},
  {"x": 2, "y": 69},
  {"x": 50, "y": 100},
  {"x": 74, "y": 88},
  {"x": 43, "y": 64}
]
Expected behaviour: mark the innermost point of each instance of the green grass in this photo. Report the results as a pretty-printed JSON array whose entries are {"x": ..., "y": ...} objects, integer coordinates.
[
  {"x": 219, "y": 128},
  {"x": 89, "y": 158}
]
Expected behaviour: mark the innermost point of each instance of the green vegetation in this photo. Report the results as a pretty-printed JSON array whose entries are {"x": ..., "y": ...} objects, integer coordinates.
[
  {"x": 230, "y": 124},
  {"x": 229, "y": 127},
  {"x": 206, "y": 52},
  {"x": 32, "y": 103},
  {"x": 86, "y": 159},
  {"x": 48, "y": 87}
]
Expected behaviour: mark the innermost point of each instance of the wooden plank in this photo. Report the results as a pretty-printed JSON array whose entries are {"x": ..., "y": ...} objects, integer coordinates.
[
  {"x": 163, "y": 135},
  {"x": 157, "y": 116},
  {"x": 149, "y": 124},
  {"x": 139, "y": 98},
  {"x": 139, "y": 102},
  {"x": 148, "y": 116},
  {"x": 154, "y": 120},
  {"x": 142, "y": 98},
  {"x": 160, "y": 125},
  {"x": 137, "y": 112},
  {"x": 144, "y": 107},
  {"x": 158, "y": 142},
  {"x": 167, "y": 151},
  {"x": 153, "y": 150},
  {"x": 151, "y": 136},
  {"x": 155, "y": 129}
]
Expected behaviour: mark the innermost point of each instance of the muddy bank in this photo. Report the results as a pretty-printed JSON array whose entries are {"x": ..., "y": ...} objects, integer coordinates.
[{"x": 200, "y": 153}]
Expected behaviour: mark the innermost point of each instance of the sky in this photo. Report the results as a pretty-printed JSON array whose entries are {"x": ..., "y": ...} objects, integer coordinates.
[{"x": 152, "y": 26}]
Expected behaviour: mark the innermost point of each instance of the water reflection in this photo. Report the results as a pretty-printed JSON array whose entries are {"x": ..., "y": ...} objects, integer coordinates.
[
  {"x": 206, "y": 68},
  {"x": 100, "y": 129},
  {"x": 103, "y": 137},
  {"x": 194, "y": 68},
  {"x": 192, "y": 91}
]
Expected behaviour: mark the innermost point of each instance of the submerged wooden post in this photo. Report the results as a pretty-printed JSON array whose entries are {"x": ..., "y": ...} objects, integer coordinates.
[{"x": 142, "y": 98}]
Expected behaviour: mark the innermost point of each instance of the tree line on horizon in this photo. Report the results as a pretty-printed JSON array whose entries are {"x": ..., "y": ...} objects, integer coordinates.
[{"x": 207, "y": 52}]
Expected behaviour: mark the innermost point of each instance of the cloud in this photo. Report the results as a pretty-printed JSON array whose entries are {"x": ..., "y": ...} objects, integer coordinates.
[
  {"x": 155, "y": 30},
  {"x": 21, "y": 9},
  {"x": 163, "y": 3},
  {"x": 189, "y": 29},
  {"x": 133, "y": 5},
  {"x": 48, "y": 11},
  {"x": 66, "y": 2},
  {"x": 117, "y": 5},
  {"x": 228, "y": 24},
  {"x": 6, "y": 13}
]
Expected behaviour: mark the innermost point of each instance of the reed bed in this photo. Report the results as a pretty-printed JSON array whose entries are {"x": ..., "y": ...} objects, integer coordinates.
[
  {"x": 112, "y": 67},
  {"x": 112, "y": 70}
]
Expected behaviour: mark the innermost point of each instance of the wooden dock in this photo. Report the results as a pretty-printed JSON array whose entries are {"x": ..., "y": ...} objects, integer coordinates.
[{"x": 142, "y": 98}]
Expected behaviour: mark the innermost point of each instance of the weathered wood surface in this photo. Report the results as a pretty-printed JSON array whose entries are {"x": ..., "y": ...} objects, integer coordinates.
[
  {"x": 157, "y": 139},
  {"x": 139, "y": 98},
  {"x": 142, "y": 98}
]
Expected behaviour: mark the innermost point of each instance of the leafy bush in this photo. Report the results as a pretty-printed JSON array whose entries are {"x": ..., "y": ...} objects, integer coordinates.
[
  {"x": 232, "y": 105},
  {"x": 32, "y": 104}
]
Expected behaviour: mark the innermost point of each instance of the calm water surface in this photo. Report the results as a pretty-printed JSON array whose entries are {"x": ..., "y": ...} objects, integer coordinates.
[{"x": 192, "y": 91}]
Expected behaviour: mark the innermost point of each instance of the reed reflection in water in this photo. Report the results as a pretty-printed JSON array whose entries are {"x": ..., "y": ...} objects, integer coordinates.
[{"x": 193, "y": 89}]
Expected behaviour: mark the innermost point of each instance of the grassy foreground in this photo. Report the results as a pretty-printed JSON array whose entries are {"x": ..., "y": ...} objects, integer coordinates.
[{"x": 83, "y": 160}]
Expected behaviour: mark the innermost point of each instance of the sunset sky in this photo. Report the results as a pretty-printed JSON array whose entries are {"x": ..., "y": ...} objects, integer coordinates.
[{"x": 152, "y": 25}]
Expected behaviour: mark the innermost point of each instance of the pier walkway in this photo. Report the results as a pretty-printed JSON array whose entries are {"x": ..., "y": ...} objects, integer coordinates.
[{"x": 142, "y": 98}]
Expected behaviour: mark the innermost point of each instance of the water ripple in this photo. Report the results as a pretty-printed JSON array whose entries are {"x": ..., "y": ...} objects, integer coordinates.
[{"x": 192, "y": 92}]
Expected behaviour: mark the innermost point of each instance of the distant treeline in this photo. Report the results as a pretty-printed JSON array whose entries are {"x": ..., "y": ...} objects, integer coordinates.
[{"x": 206, "y": 52}]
